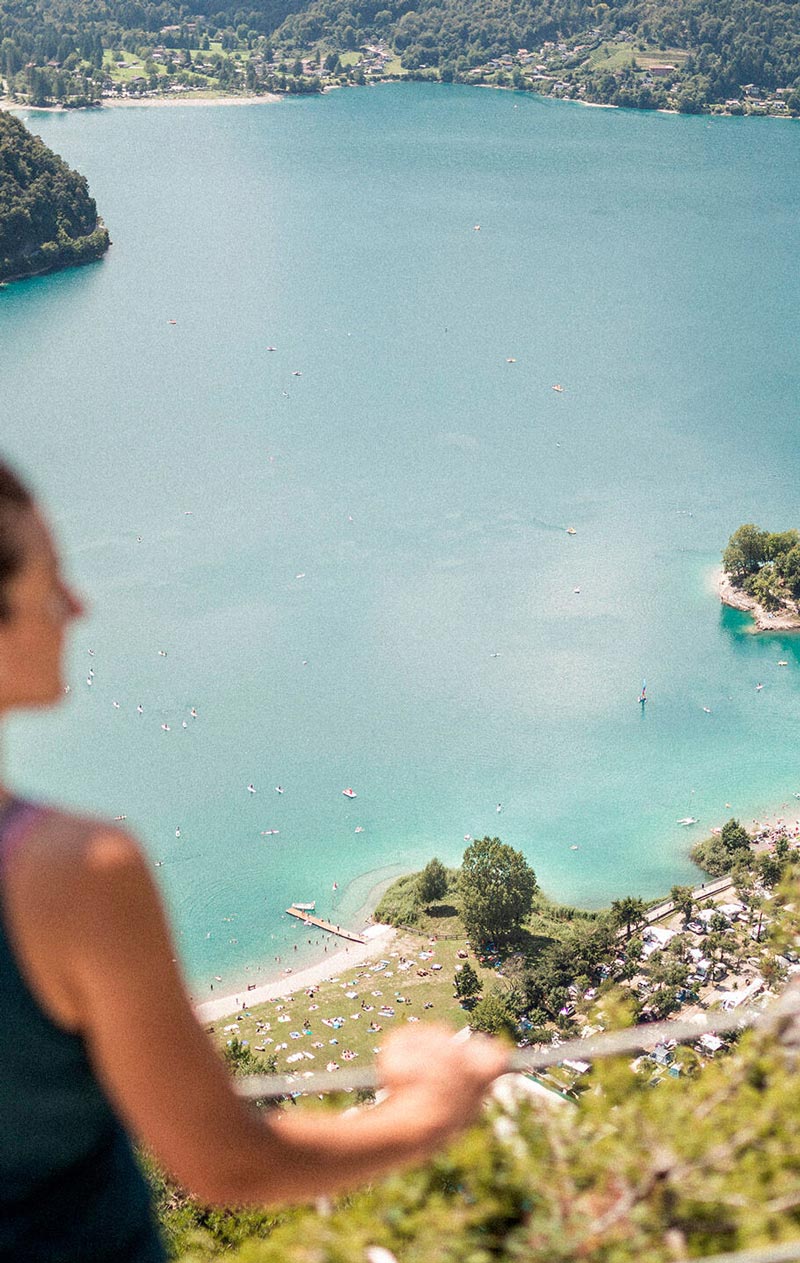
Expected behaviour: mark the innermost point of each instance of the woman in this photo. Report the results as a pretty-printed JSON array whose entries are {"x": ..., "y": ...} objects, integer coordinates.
[{"x": 89, "y": 987}]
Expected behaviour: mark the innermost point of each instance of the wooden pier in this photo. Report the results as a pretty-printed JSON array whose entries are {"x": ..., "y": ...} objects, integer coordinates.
[{"x": 308, "y": 918}]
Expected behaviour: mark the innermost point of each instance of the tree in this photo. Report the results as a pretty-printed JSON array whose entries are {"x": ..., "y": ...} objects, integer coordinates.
[
  {"x": 241, "y": 1061},
  {"x": 497, "y": 886},
  {"x": 492, "y": 1015},
  {"x": 433, "y": 882},
  {"x": 683, "y": 900},
  {"x": 662, "y": 1003},
  {"x": 628, "y": 912},
  {"x": 769, "y": 870},
  {"x": 466, "y": 982},
  {"x": 745, "y": 552},
  {"x": 735, "y": 837}
]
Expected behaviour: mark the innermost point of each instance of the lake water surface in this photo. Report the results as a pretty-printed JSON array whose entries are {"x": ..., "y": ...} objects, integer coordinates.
[{"x": 361, "y": 575}]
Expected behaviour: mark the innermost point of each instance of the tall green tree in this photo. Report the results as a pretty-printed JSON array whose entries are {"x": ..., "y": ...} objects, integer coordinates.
[
  {"x": 497, "y": 886},
  {"x": 433, "y": 882},
  {"x": 492, "y": 1015},
  {"x": 466, "y": 982},
  {"x": 745, "y": 552},
  {"x": 683, "y": 899},
  {"x": 628, "y": 912}
]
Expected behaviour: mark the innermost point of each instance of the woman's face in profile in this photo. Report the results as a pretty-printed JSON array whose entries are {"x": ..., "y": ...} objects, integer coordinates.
[{"x": 40, "y": 605}]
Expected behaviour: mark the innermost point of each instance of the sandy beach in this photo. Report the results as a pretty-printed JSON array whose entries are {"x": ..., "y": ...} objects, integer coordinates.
[
  {"x": 267, "y": 98},
  {"x": 379, "y": 940}
]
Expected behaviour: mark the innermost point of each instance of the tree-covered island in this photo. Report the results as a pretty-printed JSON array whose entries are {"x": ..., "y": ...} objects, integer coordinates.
[
  {"x": 693, "y": 56},
  {"x": 761, "y": 575},
  {"x": 48, "y": 219}
]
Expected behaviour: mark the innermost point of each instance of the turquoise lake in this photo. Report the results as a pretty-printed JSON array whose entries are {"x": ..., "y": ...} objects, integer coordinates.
[{"x": 434, "y": 655}]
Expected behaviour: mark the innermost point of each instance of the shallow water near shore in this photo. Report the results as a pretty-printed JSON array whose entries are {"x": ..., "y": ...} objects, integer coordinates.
[{"x": 361, "y": 575}]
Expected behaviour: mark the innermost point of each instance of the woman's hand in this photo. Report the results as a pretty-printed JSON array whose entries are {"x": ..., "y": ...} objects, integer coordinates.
[{"x": 442, "y": 1080}]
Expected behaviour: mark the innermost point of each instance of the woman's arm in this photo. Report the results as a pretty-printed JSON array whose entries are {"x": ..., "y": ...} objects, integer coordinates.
[{"x": 173, "y": 1090}]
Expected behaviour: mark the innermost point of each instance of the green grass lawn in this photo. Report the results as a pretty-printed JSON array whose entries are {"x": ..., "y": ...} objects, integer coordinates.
[
  {"x": 426, "y": 997},
  {"x": 123, "y": 74},
  {"x": 419, "y": 996},
  {"x": 611, "y": 56}
]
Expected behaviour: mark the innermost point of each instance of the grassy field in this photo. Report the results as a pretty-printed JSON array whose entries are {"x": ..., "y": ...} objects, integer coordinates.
[
  {"x": 610, "y": 56},
  {"x": 403, "y": 980},
  {"x": 415, "y": 979}
]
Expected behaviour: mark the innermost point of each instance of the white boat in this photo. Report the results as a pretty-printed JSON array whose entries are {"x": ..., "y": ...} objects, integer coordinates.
[
  {"x": 688, "y": 820},
  {"x": 349, "y": 793},
  {"x": 305, "y": 907}
]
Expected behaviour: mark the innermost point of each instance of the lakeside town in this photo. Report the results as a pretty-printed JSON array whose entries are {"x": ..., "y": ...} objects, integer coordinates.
[{"x": 187, "y": 64}]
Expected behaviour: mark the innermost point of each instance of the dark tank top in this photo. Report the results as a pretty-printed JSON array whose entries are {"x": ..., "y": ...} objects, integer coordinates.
[{"x": 70, "y": 1188}]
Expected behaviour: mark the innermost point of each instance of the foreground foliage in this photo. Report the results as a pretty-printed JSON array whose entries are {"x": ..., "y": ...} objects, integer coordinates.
[
  {"x": 627, "y": 1173},
  {"x": 48, "y": 219},
  {"x": 636, "y": 1165}
]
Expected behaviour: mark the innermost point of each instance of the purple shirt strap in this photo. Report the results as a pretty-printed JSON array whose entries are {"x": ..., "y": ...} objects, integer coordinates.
[{"x": 14, "y": 824}]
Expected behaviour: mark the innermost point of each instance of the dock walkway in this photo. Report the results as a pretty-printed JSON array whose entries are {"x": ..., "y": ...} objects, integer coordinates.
[{"x": 308, "y": 918}]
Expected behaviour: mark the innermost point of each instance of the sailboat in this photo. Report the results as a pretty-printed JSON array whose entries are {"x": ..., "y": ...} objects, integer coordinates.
[{"x": 643, "y": 694}]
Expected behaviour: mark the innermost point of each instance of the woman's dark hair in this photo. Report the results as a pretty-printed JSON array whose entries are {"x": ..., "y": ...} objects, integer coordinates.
[{"x": 15, "y": 499}]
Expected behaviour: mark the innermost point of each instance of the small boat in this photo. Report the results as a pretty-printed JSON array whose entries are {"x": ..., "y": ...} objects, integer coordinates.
[
  {"x": 571, "y": 530},
  {"x": 643, "y": 694},
  {"x": 359, "y": 828},
  {"x": 576, "y": 591},
  {"x": 783, "y": 663},
  {"x": 688, "y": 820},
  {"x": 305, "y": 907},
  {"x": 559, "y": 388},
  {"x": 510, "y": 360},
  {"x": 349, "y": 793},
  {"x": 759, "y": 687}
]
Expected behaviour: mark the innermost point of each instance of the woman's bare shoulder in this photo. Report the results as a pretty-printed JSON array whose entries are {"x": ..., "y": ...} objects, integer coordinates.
[{"x": 68, "y": 843}]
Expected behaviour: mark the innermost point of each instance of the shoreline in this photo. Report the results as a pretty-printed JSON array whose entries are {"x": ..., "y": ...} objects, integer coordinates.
[
  {"x": 763, "y": 620},
  {"x": 194, "y": 97},
  {"x": 380, "y": 937},
  {"x": 326, "y": 952},
  {"x": 115, "y": 103},
  {"x": 379, "y": 940}
]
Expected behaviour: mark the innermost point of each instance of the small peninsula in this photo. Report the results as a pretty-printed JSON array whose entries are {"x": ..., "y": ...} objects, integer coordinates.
[
  {"x": 761, "y": 576},
  {"x": 48, "y": 220}
]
